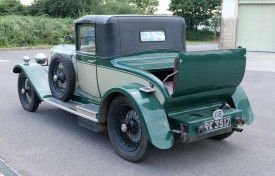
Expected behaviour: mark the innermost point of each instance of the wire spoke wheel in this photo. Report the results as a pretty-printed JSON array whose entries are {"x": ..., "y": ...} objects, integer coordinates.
[
  {"x": 59, "y": 83},
  {"x": 27, "y": 96},
  {"x": 128, "y": 127},
  {"x": 126, "y": 130},
  {"x": 61, "y": 77},
  {"x": 25, "y": 92}
]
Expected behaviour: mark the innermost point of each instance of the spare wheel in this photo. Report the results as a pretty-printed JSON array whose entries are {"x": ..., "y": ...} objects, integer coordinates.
[{"x": 62, "y": 77}]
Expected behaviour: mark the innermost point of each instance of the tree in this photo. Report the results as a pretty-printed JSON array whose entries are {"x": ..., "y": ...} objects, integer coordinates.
[
  {"x": 8, "y": 7},
  {"x": 76, "y": 8},
  {"x": 55, "y": 8},
  {"x": 115, "y": 7},
  {"x": 146, "y": 6},
  {"x": 195, "y": 12}
]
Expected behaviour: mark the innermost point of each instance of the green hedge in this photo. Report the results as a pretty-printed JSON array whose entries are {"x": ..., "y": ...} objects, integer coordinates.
[
  {"x": 17, "y": 31},
  {"x": 201, "y": 35}
]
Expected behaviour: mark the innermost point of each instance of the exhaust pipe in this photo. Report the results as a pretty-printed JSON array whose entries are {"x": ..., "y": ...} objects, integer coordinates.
[{"x": 237, "y": 129}]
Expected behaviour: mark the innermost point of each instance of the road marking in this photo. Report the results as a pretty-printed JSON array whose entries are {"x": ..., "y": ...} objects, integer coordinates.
[
  {"x": 5, "y": 170},
  {"x": 4, "y": 61}
]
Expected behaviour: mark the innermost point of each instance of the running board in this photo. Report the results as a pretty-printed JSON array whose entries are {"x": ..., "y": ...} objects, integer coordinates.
[
  {"x": 86, "y": 111},
  {"x": 90, "y": 110}
]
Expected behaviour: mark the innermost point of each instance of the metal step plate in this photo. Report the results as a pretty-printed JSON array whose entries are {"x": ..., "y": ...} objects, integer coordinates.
[
  {"x": 72, "y": 107},
  {"x": 88, "y": 109}
]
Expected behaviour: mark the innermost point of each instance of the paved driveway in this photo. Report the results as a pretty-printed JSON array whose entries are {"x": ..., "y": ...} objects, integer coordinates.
[{"x": 49, "y": 142}]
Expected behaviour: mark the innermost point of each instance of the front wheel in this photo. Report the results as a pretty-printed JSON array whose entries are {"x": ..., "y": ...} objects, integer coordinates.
[
  {"x": 126, "y": 130},
  {"x": 28, "y": 98}
]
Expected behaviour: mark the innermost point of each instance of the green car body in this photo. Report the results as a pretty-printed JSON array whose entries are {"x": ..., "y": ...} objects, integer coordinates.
[{"x": 206, "y": 80}]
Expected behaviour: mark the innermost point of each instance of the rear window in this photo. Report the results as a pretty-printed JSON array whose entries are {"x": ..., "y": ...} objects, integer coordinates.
[
  {"x": 87, "y": 38},
  {"x": 152, "y": 36}
]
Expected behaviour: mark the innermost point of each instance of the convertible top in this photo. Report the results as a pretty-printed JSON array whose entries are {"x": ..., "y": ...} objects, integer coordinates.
[{"x": 117, "y": 35}]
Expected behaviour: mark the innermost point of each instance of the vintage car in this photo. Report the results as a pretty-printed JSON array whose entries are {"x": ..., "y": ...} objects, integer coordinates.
[{"x": 132, "y": 76}]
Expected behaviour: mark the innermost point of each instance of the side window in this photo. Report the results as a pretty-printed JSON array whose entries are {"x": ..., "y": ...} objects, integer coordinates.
[{"x": 87, "y": 38}]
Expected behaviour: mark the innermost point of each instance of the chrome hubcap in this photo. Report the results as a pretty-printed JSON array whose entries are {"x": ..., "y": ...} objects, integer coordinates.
[
  {"x": 55, "y": 77},
  {"x": 123, "y": 128}
]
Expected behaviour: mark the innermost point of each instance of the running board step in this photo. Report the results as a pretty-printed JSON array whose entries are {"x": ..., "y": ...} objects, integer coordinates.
[
  {"x": 87, "y": 111},
  {"x": 90, "y": 110}
]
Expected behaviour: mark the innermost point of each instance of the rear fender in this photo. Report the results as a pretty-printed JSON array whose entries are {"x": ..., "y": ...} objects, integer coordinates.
[
  {"x": 153, "y": 116},
  {"x": 38, "y": 77},
  {"x": 240, "y": 101}
]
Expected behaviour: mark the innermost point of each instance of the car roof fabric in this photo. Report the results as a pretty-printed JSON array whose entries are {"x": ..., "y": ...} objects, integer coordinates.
[{"x": 117, "y": 35}]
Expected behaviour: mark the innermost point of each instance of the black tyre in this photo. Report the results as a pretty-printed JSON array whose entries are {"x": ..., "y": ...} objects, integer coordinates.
[
  {"x": 28, "y": 98},
  {"x": 126, "y": 130},
  {"x": 222, "y": 136},
  {"x": 62, "y": 77}
]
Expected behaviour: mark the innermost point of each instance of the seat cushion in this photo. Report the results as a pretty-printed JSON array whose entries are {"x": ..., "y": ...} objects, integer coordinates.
[{"x": 169, "y": 86}]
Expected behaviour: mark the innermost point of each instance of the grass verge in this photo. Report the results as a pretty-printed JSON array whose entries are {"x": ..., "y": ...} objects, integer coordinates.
[{"x": 22, "y": 31}]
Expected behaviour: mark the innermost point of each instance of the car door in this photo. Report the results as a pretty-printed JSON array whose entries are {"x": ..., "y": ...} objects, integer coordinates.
[{"x": 86, "y": 59}]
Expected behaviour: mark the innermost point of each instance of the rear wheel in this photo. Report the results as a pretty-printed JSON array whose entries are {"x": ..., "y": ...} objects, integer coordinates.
[
  {"x": 28, "y": 98},
  {"x": 222, "y": 136},
  {"x": 61, "y": 77},
  {"x": 126, "y": 130}
]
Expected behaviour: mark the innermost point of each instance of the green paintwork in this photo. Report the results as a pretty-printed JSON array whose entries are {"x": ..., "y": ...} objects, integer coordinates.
[
  {"x": 113, "y": 64},
  {"x": 66, "y": 49},
  {"x": 241, "y": 102},
  {"x": 157, "y": 60},
  {"x": 151, "y": 112},
  {"x": 206, "y": 80},
  {"x": 209, "y": 70},
  {"x": 38, "y": 78},
  {"x": 193, "y": 122}
]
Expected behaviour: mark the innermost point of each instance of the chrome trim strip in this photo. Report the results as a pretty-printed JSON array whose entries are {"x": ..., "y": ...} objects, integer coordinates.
[{"x": 70, "y": 110}]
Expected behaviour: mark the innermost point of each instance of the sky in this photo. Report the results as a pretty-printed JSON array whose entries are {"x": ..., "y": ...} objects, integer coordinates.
[{"x": 162, "y": 9}]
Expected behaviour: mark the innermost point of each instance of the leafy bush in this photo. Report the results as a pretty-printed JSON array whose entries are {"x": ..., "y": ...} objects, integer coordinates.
[
  {"x": 57, "y": 8},
  {"x": 16, "y": 31},
  {"x": 8, "y": 7},
  {"x": 74, "y": 9},
  {"x": 115, "y": 7},
  {"x": 195, "y": 12},
  {"x": 201, "y": 35}
]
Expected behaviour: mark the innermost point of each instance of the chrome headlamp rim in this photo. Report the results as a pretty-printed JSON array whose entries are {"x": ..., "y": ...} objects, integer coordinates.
[
  {"x": 41, "y": 58},
  {"x": 26, "y": 59}
]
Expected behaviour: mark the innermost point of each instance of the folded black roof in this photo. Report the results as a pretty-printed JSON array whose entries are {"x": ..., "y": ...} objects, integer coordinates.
[{"x": 118, "y": 35}]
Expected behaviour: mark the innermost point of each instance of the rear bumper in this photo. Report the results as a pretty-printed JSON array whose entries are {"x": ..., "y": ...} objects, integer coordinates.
[
  {"x": 205, "y": 136},
  {"x": 189, "y": 123}
]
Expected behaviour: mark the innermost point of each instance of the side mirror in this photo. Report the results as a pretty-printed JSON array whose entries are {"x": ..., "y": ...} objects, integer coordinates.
[
  {"x": 62, "y": 40},
  {"x": 66, "y": 38}
]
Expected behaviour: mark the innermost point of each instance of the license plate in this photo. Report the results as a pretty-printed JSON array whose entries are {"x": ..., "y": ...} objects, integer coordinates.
[{"x": 217, "y": 124}]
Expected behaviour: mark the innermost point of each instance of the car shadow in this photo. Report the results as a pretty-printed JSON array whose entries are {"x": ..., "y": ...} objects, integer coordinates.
[{"x": 180, "y": 154}]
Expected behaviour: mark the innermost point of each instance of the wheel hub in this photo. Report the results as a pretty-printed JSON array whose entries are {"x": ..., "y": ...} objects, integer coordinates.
[
  {"x": 61, "y": 77},
  {"x": 55, "y": 77},
  {"x": 124, "y": 128},
  {"x": 23, "y": 91}
]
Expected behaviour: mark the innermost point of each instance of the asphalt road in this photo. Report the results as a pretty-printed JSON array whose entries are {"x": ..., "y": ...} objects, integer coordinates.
[{"x": 50, "y": 142}]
